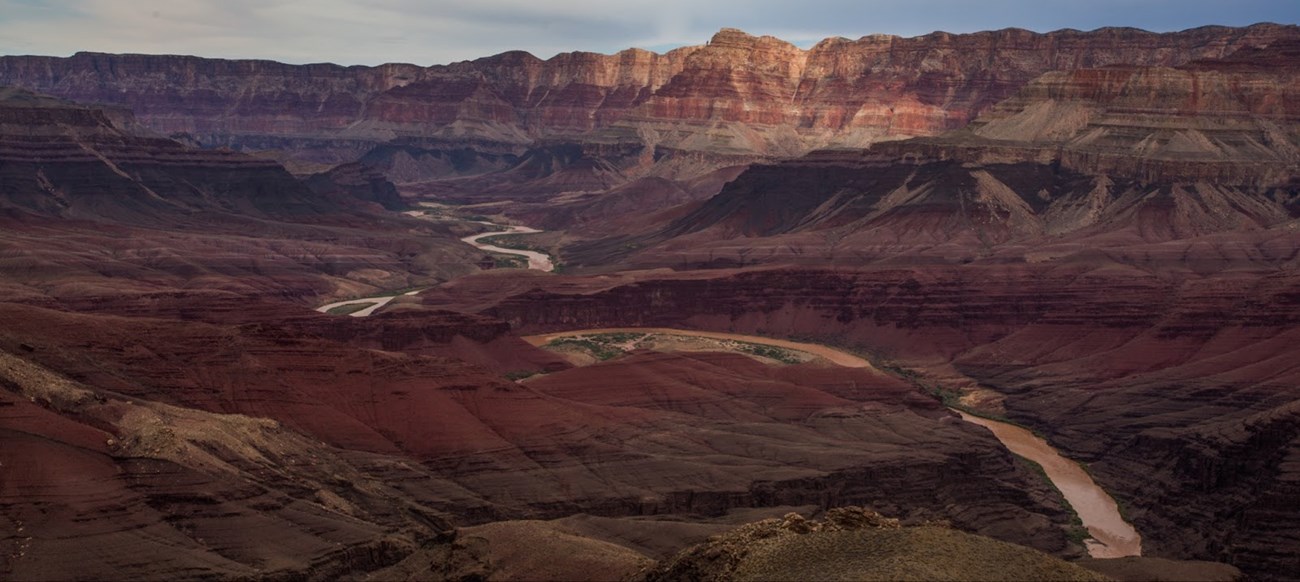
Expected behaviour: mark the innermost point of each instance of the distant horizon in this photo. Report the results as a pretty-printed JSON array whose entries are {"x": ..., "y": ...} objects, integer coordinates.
[
  {"x": 804, "y": 44},
  {"x": 426, "y": 33}
]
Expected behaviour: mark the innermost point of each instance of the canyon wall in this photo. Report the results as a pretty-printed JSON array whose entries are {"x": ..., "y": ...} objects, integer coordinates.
[
  {"x": 1075, "y": 160},
  {"x": 736, "y": 94}
]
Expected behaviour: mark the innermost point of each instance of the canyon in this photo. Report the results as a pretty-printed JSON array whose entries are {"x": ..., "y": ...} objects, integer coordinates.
[{"x": 251, "y": 326}]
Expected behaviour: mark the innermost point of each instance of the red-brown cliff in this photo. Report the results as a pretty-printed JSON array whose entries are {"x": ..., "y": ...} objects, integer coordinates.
[{"x": 736, "y": 93}]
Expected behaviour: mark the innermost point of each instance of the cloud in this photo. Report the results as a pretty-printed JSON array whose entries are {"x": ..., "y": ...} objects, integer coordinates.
[{"x": 429, "y": 32}]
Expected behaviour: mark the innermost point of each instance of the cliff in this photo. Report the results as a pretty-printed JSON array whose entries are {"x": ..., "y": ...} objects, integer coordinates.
[
  {"x": 74, "y": 162},
  {"x": 1086, "y": 158},
  {"x": 738, "y": 93},
  {"x": 1232, "y": 121}
]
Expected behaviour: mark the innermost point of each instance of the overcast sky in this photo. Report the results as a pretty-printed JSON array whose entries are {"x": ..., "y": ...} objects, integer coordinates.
[{"x": 432, "y": 32}]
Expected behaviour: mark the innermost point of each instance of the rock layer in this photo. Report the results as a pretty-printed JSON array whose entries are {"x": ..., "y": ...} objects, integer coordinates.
[{"x": 738, "y": 93}]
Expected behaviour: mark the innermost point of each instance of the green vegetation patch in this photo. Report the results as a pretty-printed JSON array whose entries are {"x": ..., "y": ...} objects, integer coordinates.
[
  {"x": 509, "y": 261},
  {"x": 514, "y": 241},
  {"x": 600, "y": 351},
  {"x": 770, "y": 352},
  {"x": 619, "y": 337},
  {"x": 604, "y": 346}
]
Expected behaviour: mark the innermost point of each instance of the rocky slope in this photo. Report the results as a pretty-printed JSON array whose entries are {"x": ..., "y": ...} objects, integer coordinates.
[
  {"x": 1230, "y": 122},
  {"x": 852, "y": 543},
  {"x": 144, "y": 490},
  {"x": 110, "y": 174}
]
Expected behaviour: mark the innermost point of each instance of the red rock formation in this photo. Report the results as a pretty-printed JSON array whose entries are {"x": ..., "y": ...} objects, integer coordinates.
[
  {"x": 736, "y": 94},
  {"x": 357, "y": 185},
  {"x": 1228, "y": 121},
  {"x": 64, "y": 160}
]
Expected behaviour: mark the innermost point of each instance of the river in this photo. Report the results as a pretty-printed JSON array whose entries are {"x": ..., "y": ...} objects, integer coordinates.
[
  {"x": 378, "y": 301},
  {"x": 537, "y": 261},
  {"x": 1112, "y": 536}
]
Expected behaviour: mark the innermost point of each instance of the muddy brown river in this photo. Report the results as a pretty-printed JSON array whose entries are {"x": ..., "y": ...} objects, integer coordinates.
[{"x": 1112, "y": 537}]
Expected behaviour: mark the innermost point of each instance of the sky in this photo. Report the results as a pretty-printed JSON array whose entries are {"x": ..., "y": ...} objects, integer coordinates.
[{"x": 369, "y": 32}]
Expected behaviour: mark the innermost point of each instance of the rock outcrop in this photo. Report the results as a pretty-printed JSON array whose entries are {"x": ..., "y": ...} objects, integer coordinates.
[
  {"x": 74, "y": 162},
  {"x": 851, "y": 543}
]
